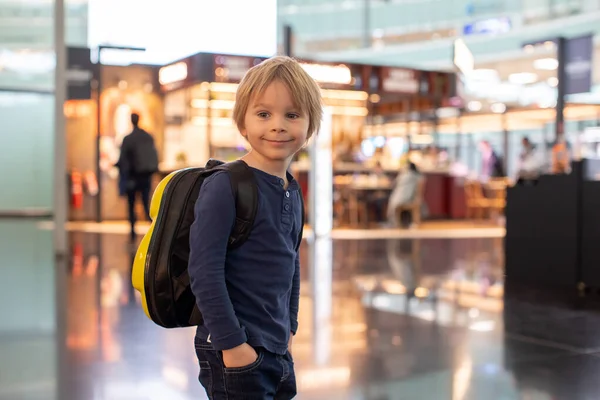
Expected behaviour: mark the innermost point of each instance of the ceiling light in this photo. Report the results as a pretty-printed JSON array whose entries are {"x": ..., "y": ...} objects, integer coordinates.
[
  {"x": 546, "y": 64},
  {"x": 375, "y": 98},
  {"x": 378, "y": 33},
  {"x": 522, "y": 78},
  {"x": 474, "y": 106},
  {"x": 498, "y": 108},
  {"x": 552, "y": 81},
  {"x": 483, "y": 326},
  {"x": 549, "y": 103},
  {"x": 348, "y": 5},
  {"x": 421, "y": 291},
  {"x": 421, "y": 139},
  {"x": 463, "y": 58},
  {"x": 484, "y": 75},
  {"x": 291, "y": 9},
  {"x": 447, "y": 112}
]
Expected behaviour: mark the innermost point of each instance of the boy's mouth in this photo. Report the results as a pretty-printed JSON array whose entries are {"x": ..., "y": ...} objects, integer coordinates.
[{"x": 279, "y": 141}]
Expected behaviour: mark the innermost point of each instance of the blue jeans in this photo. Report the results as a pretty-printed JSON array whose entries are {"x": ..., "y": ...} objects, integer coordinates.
[{"x": 270, "y": 377}]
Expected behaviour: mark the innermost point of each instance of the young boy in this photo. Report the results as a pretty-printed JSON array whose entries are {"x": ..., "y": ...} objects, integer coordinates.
[{"x": 249, "y": 296}]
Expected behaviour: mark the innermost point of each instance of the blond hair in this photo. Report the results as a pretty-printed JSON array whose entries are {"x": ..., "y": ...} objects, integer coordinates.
[{"x": 304, "y": 90}]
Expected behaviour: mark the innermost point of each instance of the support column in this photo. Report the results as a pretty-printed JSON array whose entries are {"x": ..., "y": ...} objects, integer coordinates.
[
  {"x": 562, "y": 81},
  {"x": 367, "y": 24},
  {"x": 60, "y": 143}
]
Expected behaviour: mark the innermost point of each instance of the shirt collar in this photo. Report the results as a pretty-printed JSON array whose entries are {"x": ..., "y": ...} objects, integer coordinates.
[{"x": 293, "y": 184}]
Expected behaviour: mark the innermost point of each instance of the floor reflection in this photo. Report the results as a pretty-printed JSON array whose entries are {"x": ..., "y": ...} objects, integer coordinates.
[{"x": 422, "y": 319}]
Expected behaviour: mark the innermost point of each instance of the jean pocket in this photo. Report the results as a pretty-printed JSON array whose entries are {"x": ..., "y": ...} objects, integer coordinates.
[
  {"x": 205, "y": 377},
  {"x": 247, "y": 368}
]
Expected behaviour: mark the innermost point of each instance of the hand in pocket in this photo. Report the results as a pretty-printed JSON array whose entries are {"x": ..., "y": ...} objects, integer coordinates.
[{"x": 240, "y": 356}]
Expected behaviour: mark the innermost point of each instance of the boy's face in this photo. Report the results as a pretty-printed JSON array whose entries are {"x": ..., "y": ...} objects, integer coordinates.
[{"x": 275, "y": 128}]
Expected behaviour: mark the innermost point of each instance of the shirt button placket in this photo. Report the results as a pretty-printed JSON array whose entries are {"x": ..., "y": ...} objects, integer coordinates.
[
  {"x": 286, "y": 202},
  {"x": 287, "y": 207}
]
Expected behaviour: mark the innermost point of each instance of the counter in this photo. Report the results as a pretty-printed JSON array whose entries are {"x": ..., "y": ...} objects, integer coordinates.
[
  {"x": 444, "y": 193},
  {"x": 553, "y": 228}
]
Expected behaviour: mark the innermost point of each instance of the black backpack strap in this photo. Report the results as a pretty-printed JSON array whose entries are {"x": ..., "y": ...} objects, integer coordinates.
[
  {"x": 303, "y": 218},
  {"x": 245, "y": 191}
]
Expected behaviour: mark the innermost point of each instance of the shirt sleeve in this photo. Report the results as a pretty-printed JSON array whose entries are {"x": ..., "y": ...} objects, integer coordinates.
[
  {"x": 214, "y": 213},
  {"x": 295, "y": 299},
  {"x": 295, "y": 295}
]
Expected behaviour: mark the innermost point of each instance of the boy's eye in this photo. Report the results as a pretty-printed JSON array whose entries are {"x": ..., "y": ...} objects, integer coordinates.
[
  {"x": 263, "y": 114},
  {"x": 293, "y": 116}
]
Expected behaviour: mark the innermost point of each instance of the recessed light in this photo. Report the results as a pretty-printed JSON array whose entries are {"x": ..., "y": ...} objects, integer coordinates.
[
  {"x": 498, "y": 108},
  {"x": 474, "y": 106},
  {"x": 522, "y": 78},
  {"x": 546, "y": 64},
  {"x": 484, "y": 74}
]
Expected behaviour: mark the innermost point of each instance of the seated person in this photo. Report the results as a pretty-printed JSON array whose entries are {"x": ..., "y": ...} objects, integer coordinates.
[
  {"x": 404, "y": 191},
  {"x": 530, "y": 163},
  {"x": 561, "y": 158}
]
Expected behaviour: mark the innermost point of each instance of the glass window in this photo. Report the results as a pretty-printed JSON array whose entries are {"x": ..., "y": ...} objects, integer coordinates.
[{"x": 26, "y": 150}]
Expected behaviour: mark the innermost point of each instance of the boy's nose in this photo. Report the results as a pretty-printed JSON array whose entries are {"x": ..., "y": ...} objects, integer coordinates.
[{"x": 278, "y": 125}]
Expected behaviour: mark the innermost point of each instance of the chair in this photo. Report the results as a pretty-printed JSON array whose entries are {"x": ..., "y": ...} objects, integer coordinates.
[
  {"x": 477, "y": 203},
  {"x": 415, "y": 206}
]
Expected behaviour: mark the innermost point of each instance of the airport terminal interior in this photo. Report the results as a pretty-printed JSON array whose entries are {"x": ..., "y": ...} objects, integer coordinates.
[{"x": 450, "y": 246}]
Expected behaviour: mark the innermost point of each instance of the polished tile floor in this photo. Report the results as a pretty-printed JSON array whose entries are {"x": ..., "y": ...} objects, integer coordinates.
[{"x": 381, "y": 319}]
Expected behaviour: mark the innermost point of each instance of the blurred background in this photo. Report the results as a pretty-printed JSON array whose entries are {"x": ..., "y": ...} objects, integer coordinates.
[{"x": 451, "y": 193}]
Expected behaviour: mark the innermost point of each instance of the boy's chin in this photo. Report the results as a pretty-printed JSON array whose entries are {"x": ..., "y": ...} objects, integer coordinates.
[{"x": 277, "y": 155}]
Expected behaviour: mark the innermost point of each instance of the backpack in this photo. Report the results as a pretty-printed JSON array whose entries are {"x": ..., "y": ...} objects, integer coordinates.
[
  {"x": 160, "y": 268},
  {"x": 145, "y": 156}
]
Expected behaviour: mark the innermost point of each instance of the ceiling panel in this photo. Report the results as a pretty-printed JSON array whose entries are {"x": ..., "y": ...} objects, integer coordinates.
[{"x": 30, "y": 24}]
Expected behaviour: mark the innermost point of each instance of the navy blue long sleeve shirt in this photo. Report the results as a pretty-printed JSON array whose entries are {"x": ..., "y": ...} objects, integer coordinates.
[{"x": 249, "y": 294}]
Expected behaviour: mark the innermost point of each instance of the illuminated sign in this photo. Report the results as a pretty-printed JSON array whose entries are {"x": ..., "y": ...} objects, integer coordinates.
[
  {"x": 173, "y": 73},
  {"x": 400, "y": 80},
  {"x": 463, "y": 58},
  {"x": 339, "y": 74},
  {"x": 490, "y": 26},
  {"x": 232, "y": 68}
]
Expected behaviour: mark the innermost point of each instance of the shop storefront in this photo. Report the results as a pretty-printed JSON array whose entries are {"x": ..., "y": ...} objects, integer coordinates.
[
  {"x": 377, "y": 115},
  {"x": 403, "y": 114},
  {"x": 200, "y": 93},
  {"x": 124, "y": 90},
  {"x": 188, "y": 104}
]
